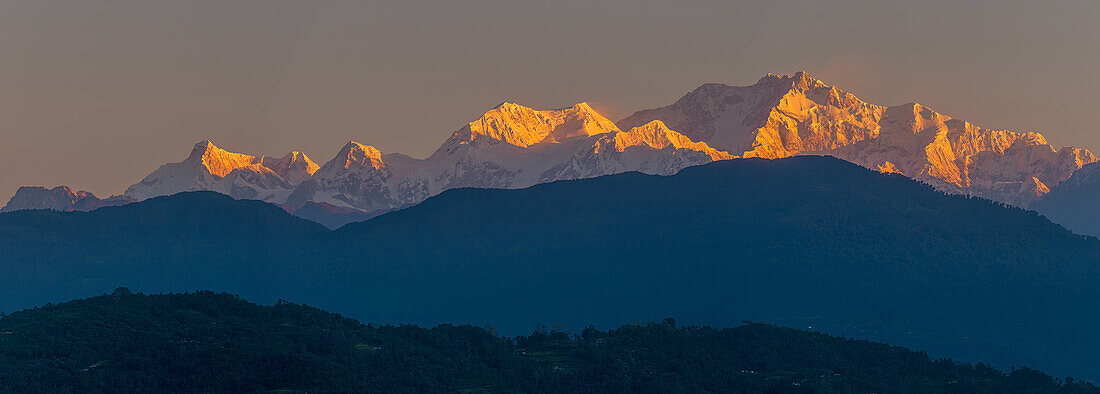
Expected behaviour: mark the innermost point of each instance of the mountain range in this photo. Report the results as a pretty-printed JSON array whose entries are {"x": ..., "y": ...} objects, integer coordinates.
[
  {"x": 804, "y": 241},
  {"x": 789, "y": 115},
  {"x": 512, "y": 146}
]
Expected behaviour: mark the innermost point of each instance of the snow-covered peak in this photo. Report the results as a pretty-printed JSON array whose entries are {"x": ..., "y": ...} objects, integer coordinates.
[
  {"x": 209, "y": 168},
  {"x": 757, "y": 120},
  {"x": 780, "y": 116},
  {"x": 521, "y": 126},
  {"x": 656, "y": 135},
  {"x": 295, "y": 167},
  {"x": 60, "y": 198},
  {"x": 353, "y": 158},
  {"x": 802, "y": 81},
  {"x": 577, "y": 121},
  {"x": 217, "y": 161},
  {"x": 356, "y": 155},
  {"x": 912, "y": 118},
  {"x": 356, "y": 178}
]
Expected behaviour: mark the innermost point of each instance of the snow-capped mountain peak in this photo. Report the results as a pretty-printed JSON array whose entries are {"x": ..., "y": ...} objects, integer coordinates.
[
  {"x": 217, "y": 161},
  {"x": 780, "y": 116},
  {"x": 521, "y": 126},
  {"x": 295, "y": 166},
  {"x": 211, "y": 168},
  {"x": 356, "y": 178},
  {"x": 657, "y": 135},
  {"x": 355, "y": 155},
  {"x": 60, "y": 198}
]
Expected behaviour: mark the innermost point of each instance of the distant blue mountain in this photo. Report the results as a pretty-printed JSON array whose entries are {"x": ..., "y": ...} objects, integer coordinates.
[{"x": 1076, "y": 202}]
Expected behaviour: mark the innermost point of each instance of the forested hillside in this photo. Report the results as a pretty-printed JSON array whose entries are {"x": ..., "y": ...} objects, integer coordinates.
[{"x": 206, "y": 342}]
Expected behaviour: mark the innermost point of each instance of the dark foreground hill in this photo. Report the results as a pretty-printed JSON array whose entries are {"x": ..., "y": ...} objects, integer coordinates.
[
  {"x": 207, "y": 342},
  {"x": 801, "y": 242}
]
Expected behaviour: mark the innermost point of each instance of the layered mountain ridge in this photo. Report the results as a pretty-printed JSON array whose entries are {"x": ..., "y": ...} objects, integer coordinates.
[
  {"x": 801, "y": 241},
  {"x": 513, "y": 146}
]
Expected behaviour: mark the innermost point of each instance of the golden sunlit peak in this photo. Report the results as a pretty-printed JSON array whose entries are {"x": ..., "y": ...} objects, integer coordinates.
[
  {"x": 654, "y": 126},
  {"x": 522, "y": 126},
  {"x": 508, "y": 105},
  {"x": 657, "y": 135},
  {"x": 802, "y": 81},
  {"x": 582, "y": 107},
  {"x": 353, "y": 146},
  {"x": 355, "y": 153},
  {"x": 217, "y": 161}
]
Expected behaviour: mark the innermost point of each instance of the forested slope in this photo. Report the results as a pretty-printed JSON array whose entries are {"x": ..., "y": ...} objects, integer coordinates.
[{"x": 206, "y": 342}]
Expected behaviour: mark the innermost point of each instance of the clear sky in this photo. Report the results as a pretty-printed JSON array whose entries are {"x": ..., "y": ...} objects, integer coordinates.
[{"x": 96, "y": 94}]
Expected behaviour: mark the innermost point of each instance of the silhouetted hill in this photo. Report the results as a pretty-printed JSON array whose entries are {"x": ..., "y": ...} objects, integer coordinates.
[
  {"x": 801, "y": 242},
  {"x": 1076, "y": 202},
  {"x": 183, "y": 242},
  {"x": 207, "y": 342},
  {"x": 805, "y": 241}
]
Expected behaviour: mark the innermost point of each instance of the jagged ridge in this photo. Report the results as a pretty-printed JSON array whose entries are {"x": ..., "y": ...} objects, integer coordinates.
[
  {"x": 790, "y": 115},
  {"x": 513, "y": 146}
]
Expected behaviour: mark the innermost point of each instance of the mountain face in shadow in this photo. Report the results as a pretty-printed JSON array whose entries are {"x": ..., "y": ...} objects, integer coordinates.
[
  {"x": 802, "y": 242},
  {"x": 1076, "y": 202},
  {"x": 211, "y": 342}
]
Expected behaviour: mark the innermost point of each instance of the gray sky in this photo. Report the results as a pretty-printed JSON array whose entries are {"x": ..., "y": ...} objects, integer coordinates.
[{"x": 96, "y": 94}]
